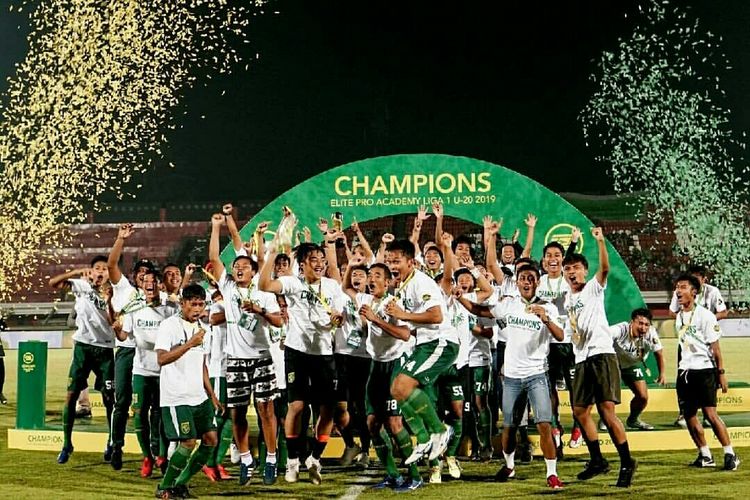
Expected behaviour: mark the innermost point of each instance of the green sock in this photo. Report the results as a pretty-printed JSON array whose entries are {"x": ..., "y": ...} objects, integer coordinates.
[
  {"x": 414, "y": 421},
  {"x": 178, "y": 462},
  {"x": 196, "y": 463},
  {"x": 458, "y": 428},
  {"x": 403, "y": 440},
  {"x": 484, "y": 428},
  {"x": 383, "y": 451},
  {"x": 69, "y": 416},
  {"x": 142, "y": 434},
  {"x": 225, "y": 441},
  {"x": 423, "y": 407},
  {"x": 282, "y": 450}
]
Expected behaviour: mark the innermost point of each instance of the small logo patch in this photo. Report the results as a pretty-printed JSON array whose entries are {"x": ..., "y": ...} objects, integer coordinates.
[
  {"x": 185, "y": 427},
  {"x": 717, "y": 328},
  {"x": 426, "y": 297},
  {"x": 290, "y": 378}
]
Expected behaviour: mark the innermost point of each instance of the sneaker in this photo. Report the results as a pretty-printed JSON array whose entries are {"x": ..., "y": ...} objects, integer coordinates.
[
  {"x": 703, "y": 461},
  {"x": 557, "y": 439},
  {"x": 313, "y": 469},
  {"x": 680, "y": 422},
  {"x": 419, "y": 451},
  {"x": 182, "y": 491},
  {"x": 269, "y": 473},
  {"x": 409, "y": 485},
  {"x": 4, "y": 400},
  {"x": 505, "y": 473},
  {"x": 707, "y": 423},
  {"x": 234, "y": 454},
  {"x": 485, "y": 455},
  {"x": 626, "y": 475},
  {"x": 593, "y": 468},
  {"x": 454, "y": 468},
  {"x": 576, "y": 438},
  {"x": 435, "y": 475},
  {"x": 731, "y": 461},
  {"x": 222, "y": 473},
  {"x": 108, "y": 453},
  {"x": 362, "y": 461},
  {"x": 388, "y": 482},
  {"x": 162, "y": 463},
  {"x": 292, "y": 470},
  {"x": 525, "y": 453},
  {"x": 350, "y": 453},
  {"x": 555, "y": 483},
  {"x": 116, "y": 458},
  {"x": 602, "y": 426},
  {"x": 83, "y": 413},
  {"x": 210, "y": 473},
  {"x": 163, "y": 492},
  {"x": 246, "y": 473},
  {"x": 64, "y": 455},
  {"x": 561, "y": 386},
  {"x": 639, "y": 425},
  {"x": 440, "y": 442},
  {"x": 147, "y": 467}
]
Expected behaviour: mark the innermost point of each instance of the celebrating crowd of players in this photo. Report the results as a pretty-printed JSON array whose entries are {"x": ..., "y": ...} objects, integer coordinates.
[{"x": 411, "y": 349}]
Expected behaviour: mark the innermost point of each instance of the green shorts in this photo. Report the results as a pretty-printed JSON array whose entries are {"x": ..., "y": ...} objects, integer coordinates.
[
  {"x": 632, "y": 374},
  {"x": 429, "y": 360},
  {"x": 219, "y": 385},
  {"x": 378, "y": 399},
  {"x": 88, "y": 358},
  {"x": 480, "y": 380},
  {"x": 188, "y": 422}
]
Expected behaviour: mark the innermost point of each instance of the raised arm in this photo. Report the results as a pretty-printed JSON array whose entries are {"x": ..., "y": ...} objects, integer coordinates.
[
  {"x": 603, "y": 271},
  {"x": 259, "y": 235},
  {"x": 491, "y": 229},
  {"x": 485, "y": 288},
  {"x": 384, "y": 241},
  {"x": 330, "y": 252},
  {"x": 61, "y": 280},
  {"x": 213, "y": 245},
  {"x": 113, "y": 259},
  {"x": 266, "y": 283},
  {"x": 366, "y": 249},
  {"x": 416, "y": 230},
  {"x": 232, "y": 226},
  {"x": 346, "y": 285},
  {"x": 530, "y": 225},
  {"x": 575, "y": 235},
  {"x": 437, "y": 208},
  {"x": 450, "y": 265}
]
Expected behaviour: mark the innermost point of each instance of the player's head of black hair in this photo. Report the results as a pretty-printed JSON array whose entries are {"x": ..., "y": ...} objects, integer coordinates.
[
  {"x": 359, "y": 267},
  {"x": 575, "y": 258},
  {"x": 282, "y": 257},
  {"x": 97, "y": 259},
  {"x": 436, "y": 250},
  {"x": 154, "y": 273},
  {"x": 690, "y": 279},
  {"x": 382, "y": 267},
  {"x": 553, "y": 244},
  {"x": 526, "y": 261},
  {"x": 527, "y": 266},
  {"x": 462, "y": 271},
  {"x": 193, "y": 291},
  {"x": 252, "y": 262},
  {"x": 697, "y": 269},
  {"x": 465, "y": 240},
  {"x": 306, "y": 249},
  {"x": 406, "y": 247},
  {"x": 642, "y": 312}
]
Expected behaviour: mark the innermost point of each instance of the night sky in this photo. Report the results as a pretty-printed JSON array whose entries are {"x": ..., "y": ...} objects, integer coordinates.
[{"x": 339, "y": 81}]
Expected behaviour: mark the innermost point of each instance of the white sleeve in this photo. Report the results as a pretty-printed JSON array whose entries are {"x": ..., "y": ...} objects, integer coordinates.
[
  {"x": 673, "y": 305},
  {"x": 164, "y": 336},
  {"x": 718, "y": 301},
  {"x": 654, "y": 339},
  {"x": 290, "y": 285}
]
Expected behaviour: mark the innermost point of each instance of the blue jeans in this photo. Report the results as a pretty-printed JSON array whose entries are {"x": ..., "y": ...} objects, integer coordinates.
[{"x": 518, "y": 391}]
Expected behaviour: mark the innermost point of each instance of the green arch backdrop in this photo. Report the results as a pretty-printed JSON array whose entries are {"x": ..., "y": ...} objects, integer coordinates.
[{"x": 469, "y": 190}]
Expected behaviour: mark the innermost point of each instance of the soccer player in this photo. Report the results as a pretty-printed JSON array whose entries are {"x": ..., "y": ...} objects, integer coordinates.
[
  {"x": 94, "y": 341},
  {"x": 633, "y": 341},
  {"x": 308, "y": 349},
  {"x": 185, "y": 393},
  {"x": 250, "y": 371},
  {"x": 141, "y": 325},
  {"x": 700, "y": 372},
  {"x": 435, "y": 351},
  {"x": 530, "y": 327},
  {"x": 597, "y": 375}
]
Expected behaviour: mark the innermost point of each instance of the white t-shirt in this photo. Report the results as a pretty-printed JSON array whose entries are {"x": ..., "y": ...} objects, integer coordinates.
[
  {"x": 528, "y": 338},
  {"x": 480, "y": 348},
  {"x": 217, "y": 360},
  {"x": 463, "y": 321},
  {"x": 631, "y": 351},
  {"x": 709, "y": 297},
  {"x": 554, "y": 291},
  {"x": 419, "y": 293},
  {"x": 142, "y": 326},
  {"x": 349, "y": 338},
  {"x": 181, "y": 382},
  {"x": 247, "y": 333},
  {"x": 310, "y": 330},
  {"x": 586, "y": 310},
  {"x": 696, "y": 331},
  {"x": 382, "y": 346},
  {"x": 92, "y": 325}
]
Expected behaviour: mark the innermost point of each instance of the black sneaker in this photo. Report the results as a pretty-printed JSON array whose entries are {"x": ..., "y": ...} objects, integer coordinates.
[
  {"x": 626, "y": 475},
  {"x": 504, "y": 474},
  {"x": 524, "y": 453},
  {"x": 703, "y": 461},
  {"x": 83, "y": 413},
  {"x": 3, "y": 399},
  {"x": 108, "y": 453},
  {"x": 593, "y": 468},
  {"x": 116, "y": 458},
  {"x": 731, "y": 461},
  {"x": 182, "y": 491}
]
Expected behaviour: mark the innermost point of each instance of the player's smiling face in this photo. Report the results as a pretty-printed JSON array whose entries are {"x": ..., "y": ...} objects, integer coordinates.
[
  {"x": 507, "y": 254},
  {"x": 432, "y": 259},
  {"x": 172, "y": 278},
  {"x": 527, "y": 281},
  {"x": 150, "y": 287},
  {"x": 359, "y": 280},
  {"x": 465, "y": 282},
  {"x": 400, "y": 265},
  {"x": 314, "y": 266},
  {"x": 553, "y": 261}
]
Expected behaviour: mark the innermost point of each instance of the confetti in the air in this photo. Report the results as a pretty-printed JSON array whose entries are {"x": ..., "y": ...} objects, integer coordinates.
[
  {"x": 659, "y": 118},
  {"x": 87, "y": 109}
]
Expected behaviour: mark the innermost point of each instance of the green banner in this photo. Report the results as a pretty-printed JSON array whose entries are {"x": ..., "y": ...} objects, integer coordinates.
[{"x": 469, "y": 189}]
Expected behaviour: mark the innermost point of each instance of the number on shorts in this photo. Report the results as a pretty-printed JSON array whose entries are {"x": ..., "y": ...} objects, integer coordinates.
[
  {"x": 458, "y": 390},
  {"x": 391, "y": 405},
  {"x": 480, "y": 386}
]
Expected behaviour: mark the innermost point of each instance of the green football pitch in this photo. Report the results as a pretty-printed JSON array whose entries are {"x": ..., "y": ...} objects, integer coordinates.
[{"x": 663, "y": 474}]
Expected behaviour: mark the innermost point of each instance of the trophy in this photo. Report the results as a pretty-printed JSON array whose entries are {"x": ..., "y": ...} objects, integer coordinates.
[{"x": 285, "y": 231}]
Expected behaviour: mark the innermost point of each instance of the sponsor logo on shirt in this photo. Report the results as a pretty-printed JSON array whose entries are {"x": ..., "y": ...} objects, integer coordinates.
[
  {"x": 524, "y": 323},
  {"x": 147, "y": 323}
]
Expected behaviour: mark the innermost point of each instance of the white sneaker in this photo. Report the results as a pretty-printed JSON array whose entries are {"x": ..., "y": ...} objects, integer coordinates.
[
  {"x": 602, "y": 426},
  {"x": 313, "y": 468},
  {"x": 680, "y": 422},
  {"x": 440, "y": 442},
  {"x": 292, "y": 470},
  {"x": 362, "y": 461},
  {"x": 435, "y": 477},
  {"x": 234, "y": 454},
  {"x": 420, "y": 451},
  {"x": 454, "y": 468}
]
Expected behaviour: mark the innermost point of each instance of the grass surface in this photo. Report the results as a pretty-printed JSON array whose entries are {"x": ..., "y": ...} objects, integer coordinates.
[{"x": 35, "y": 475}]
